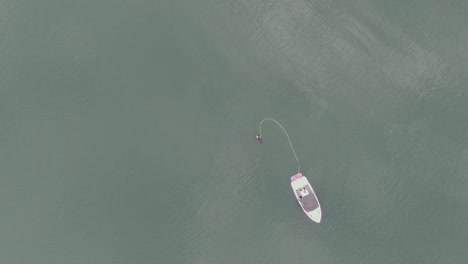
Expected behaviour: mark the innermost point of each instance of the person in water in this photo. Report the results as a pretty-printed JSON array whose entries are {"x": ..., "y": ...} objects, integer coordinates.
[{"x": 259, "y": 139}]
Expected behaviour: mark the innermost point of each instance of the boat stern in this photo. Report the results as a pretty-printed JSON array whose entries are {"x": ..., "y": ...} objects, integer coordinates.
[{"x": 296, "y": 177}]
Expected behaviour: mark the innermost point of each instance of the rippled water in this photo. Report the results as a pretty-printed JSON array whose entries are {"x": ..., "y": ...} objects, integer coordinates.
[{"x": 127, "y": 131}]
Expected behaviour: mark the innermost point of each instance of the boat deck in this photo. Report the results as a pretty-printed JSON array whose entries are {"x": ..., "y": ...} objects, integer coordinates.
[{"x": 308, "y": 200}]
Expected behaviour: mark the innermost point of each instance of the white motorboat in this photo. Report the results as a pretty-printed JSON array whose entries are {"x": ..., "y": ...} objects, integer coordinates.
[{"x": 306, "y": 197}]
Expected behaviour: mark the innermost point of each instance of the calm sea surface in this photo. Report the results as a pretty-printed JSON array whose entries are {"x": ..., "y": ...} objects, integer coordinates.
[{"x": 127, "y": 131}]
